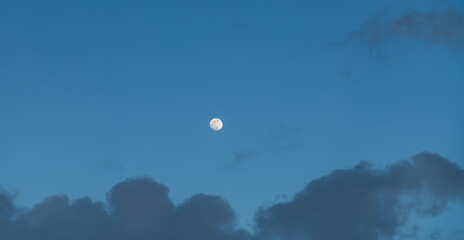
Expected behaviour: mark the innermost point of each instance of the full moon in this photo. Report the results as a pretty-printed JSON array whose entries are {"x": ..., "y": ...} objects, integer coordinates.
[{"x": 215, "y": 124}]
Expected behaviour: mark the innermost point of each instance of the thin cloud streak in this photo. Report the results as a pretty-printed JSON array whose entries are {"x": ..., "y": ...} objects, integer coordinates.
[{"x": 280, "y": 139}]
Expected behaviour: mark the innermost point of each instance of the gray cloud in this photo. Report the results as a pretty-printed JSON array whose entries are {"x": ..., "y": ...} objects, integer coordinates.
[
  {"x": 360, "y": 203},
  {"x": 444, "y": 28},
  {"x": 364, "y": 203},
  {"x": 6, "y": 207},
  {"x": 138, "y": 208}
]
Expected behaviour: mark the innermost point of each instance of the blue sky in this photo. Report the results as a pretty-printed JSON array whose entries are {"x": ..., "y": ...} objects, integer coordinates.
[{"x": 92, "y": 93}]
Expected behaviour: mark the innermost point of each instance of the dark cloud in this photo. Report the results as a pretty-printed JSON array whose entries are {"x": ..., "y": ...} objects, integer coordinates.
[
  {"x": 207, "y": 217},
  {"x": 364, "y": 203},
  {"x": 361, "y": 203},
  {"x": 141, "y": 208},
  {"x": 138, "y": 208},
  {"x": 6, "y": 209},
  {"x": 444, "y": 28}
]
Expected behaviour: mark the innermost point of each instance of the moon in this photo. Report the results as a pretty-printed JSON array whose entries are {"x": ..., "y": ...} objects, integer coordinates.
[{"x": 215, "y": 124}]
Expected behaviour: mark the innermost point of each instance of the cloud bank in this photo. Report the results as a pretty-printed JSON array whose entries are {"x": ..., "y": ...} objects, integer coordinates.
[
  {"x": 360, "y": 203},
  {"x": 365, "y": 203},
  {"x": 444, "y": 28}
]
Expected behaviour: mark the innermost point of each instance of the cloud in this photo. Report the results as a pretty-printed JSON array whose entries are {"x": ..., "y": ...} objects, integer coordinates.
[
  {"x": 444, "y": 28},
  {"x": 362, "y": 203},
  {"x": 240, "y": 156},
  {"x": 6, "y": 207},
  {"x": 138, "y": 208},
  {"x": 279, "y": 139}
]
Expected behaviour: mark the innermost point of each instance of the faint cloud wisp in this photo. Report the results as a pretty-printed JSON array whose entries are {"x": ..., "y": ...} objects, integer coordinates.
[
  {"x": 280, "y": 139},
  {"x": 444, "y": 28}
]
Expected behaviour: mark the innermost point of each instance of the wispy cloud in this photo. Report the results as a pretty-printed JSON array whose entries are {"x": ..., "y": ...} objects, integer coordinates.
[
  {"x": 279, "y": 139},
  {"x": 240, "y": 156},
  {"x": 445, "y": 27}
]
